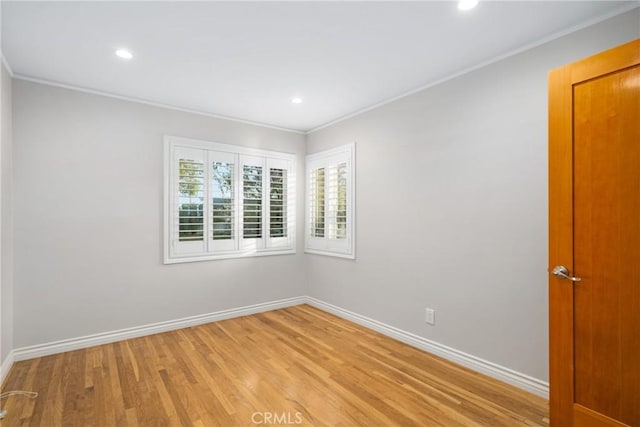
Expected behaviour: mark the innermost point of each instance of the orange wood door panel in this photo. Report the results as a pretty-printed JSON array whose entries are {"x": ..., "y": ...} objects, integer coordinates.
[
  {"x": 606, "y": 123},
  {"x": 585, "y": 417},
  {"x": 594, "y": 225}
]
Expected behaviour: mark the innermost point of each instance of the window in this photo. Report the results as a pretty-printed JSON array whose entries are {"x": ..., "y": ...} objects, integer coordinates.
[
  {"x": 330, "y": 207},
  {"x": 224, "y": 201}
]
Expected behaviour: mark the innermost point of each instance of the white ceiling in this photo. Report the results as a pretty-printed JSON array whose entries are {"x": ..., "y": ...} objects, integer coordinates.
[{"x": 246, "y": 60}]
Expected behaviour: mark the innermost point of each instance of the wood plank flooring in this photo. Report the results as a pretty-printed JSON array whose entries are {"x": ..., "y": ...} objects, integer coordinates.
[{"x": 295, "y": 366}]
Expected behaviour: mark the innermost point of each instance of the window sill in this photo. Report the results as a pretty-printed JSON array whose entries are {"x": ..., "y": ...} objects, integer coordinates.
[
  {"x": 208, "y": 257},
  {"x": 330, "y": 253}
]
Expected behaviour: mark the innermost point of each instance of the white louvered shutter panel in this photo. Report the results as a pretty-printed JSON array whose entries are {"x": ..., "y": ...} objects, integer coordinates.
[
  {"x": 252, "y": 207},
  {"x": 342, "y": 223},
  {"x": 279, "y": 204},
  {"x": 316, "y": 208},
  {"x": 336, "y": 202},
  {"x": 222, "y": 220},
  {"x": 189, "y": 188}
]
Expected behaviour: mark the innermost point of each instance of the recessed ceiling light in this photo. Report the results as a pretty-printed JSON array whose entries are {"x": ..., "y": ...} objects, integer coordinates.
[
  {"x": 467, "y": 4},
  {"x": 124, "y": 54},
  {"x": 296, "y": 100}
]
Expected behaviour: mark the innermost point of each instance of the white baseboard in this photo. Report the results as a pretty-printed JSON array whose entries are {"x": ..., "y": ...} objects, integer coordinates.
[
  {"x": 5, "y": 366},
  {"x": 62, "y": 346},
  {"x": 525, "y": 382},
  {"x": 509, "y": 376}
]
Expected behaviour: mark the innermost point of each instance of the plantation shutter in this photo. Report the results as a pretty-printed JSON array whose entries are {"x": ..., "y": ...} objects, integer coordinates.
[
  {"x": 329, "y": 204},
  {"x": 253, "y": 208},
  {"x": 279, "y": 204},
  {"x": 316, "y": 209},
  {"x": 223, "y": 201},
  {"x": 336, "y": 201},
  {"x": 223, "y": 232},
  {"x": 188, "y": 213}
]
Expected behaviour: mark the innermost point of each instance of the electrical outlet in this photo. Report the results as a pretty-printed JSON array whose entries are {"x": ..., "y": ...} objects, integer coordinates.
[{"x": 430, "y": 316}]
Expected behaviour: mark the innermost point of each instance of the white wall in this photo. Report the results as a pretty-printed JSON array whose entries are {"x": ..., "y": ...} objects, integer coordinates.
[
  {"x": 452, "y": 206},
  {"x": 6, "y": 221},
  {"x": 88, "y": 218}
]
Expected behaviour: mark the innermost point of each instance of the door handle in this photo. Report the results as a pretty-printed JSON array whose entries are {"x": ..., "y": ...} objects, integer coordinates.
[{"x": 562, "y": 272}]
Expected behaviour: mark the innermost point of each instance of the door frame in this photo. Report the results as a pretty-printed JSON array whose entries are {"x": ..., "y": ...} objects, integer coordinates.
[{"x": 561, "y": 83}]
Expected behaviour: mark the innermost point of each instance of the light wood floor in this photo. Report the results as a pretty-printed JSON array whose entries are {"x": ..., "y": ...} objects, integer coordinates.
[{"x": 296, "y": 366}]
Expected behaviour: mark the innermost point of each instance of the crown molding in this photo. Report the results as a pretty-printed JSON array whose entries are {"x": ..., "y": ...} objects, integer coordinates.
[
  {"x": 23, "y": 77},
  {"x": 540, "y": 42}
]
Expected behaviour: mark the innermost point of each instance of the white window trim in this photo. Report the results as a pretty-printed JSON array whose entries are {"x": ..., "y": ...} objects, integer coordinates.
[
  {"x": 280, "y": 248},
  {"x": 314, "y": 245}
]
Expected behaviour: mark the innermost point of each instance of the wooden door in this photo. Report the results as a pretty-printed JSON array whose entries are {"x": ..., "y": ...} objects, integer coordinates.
[{"x": 594, "y": 231}]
